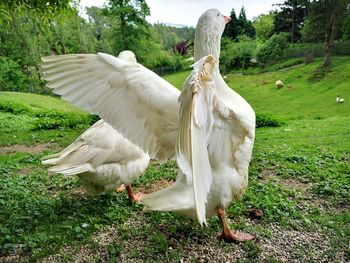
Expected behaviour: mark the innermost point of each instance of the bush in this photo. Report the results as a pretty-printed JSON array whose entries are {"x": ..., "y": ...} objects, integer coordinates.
[
  {"x": 14, "y": 108},
  {"x": 237, "y": 54},
  {"x": 12, "y": 77},
  {"x": 263, "y": 120},
  {"x": 49, "y": 119},
  {"x": 169, "y": 63},
  {"x": 273, "y": 49}
]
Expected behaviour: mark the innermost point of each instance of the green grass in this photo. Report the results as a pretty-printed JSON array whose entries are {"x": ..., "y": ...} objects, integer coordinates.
[
  {"x": 300, "y": 98},
  {"x": 299, "y": 177},
  {"x": 37, "y": 102}
]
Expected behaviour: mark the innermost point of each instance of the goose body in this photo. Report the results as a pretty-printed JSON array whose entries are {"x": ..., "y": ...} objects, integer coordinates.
[
  {"x": 209, "y": 128},
  {"x": 215, "y": 138},
  {"x": 101, "y": 157}
]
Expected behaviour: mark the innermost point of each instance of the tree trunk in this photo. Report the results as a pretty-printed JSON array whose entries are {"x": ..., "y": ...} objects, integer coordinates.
[
  {"x": 335, "y": 12},
  {"x": 293, "y": 23}
]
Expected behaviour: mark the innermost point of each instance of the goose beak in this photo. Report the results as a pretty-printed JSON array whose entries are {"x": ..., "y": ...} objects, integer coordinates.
[{"x": 227, "y": 19}]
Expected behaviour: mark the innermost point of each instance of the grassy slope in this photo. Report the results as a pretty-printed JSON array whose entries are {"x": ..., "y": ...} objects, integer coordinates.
[
  {"x": 41, "y": 213},
  {"x": 300, "y": 98},
  {"x": 38, "y": 102},
  {"x": 18, "y": 128}
]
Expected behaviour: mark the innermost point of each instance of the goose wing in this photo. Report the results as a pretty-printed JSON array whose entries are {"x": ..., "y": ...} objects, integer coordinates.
[{"x": 137, "y": 102}]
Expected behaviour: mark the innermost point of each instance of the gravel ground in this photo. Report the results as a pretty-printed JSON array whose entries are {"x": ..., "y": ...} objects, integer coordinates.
[{"x": 284, "y": 245}]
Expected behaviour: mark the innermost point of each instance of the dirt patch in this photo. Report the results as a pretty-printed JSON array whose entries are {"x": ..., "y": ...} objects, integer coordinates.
[
  {"x": 160, "y": 184},
  {"x": 269, "y": 173},
  {"x": 23, "y": 148},
  {"x": 294, "y": 184},
  {"x": 78, "y": 192},
  {"x": 27, "y": 170}
]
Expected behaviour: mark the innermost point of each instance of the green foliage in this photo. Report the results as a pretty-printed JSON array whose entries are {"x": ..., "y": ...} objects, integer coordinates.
[
  {"x": 27, "y": 34},
  {"x": 231, "y": 30},
  {"x": 273, "y": 66},
  {"x": 50, "y": 119},
  {"x": 264, "y": 120},
  {"x": 244, "y": 26},
  {"x": 169, "y": 35},
  {"x": 14, "y": 107},
  {"x": 12, "y": 76},
  {"x": 346, "y": 26},
  {"x": 263, "y": 26},
  {"x": 314, "y": 29},
  {"x": 290, "y": 18},
  {"x": 43, "y": 5},
  {"x": 237, "y": 27},
  {"x": 237, "y": 54},
  {"x": 273, "y": 49},
  {"x": 132, "y": 25}
]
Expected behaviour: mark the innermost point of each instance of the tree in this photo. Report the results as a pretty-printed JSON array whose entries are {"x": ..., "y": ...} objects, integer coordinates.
[
  {"x": 313, "y": 30},
  {"x": 102, "y": 27},
  {"x": 335, "y": 11},
  {"x": 28, "y": 33},
  {"x": 290, "y": 18},
  {"x": 263, "y": 26},
  {"x": 273, "y": 49},
  {"x": 231, "y": 28},
  {"x": 236, "y": 54},
  {"x": 346, "y": 26},
  {"x": 244, "y": 26},
  {"x": 42, "y": 5},
  {"x": 132, "y": 24}
]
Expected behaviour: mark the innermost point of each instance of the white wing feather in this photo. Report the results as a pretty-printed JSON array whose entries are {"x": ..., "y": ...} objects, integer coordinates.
[
  {"x": 134, "y": 100},
  {"x": 98, "y": 145},
  {"x": 196, "y": 121}
]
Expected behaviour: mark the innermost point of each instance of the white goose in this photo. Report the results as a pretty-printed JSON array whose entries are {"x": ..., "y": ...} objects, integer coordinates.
[
  {"x": 144, "y": 108},
  {"x": 101, "y": 157},
  {"x": 215, "y": 138}
]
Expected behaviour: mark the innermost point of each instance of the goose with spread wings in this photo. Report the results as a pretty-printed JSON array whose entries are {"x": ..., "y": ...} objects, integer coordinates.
[{"x": 210, "y": 130}]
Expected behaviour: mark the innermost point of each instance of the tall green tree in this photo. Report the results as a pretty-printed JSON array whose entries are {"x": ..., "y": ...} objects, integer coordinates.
[
  {"x": 245, "y": 26},
  {"x": 102, "y": 27},
  {"x": 346, "y": 26},
  {"x": 313, "y": 30},
  {"x": 231, "y": 28},
  {"x": 290, "y": 18},
  {"x": 28, "y": 33},
  {"x": 335, "y": 11},
  {"x": 263, "y": 26},
  {"x": 42, "y": 5},
  {"x": 324, "y": 23},
  {"x": 131, "y": 18}
]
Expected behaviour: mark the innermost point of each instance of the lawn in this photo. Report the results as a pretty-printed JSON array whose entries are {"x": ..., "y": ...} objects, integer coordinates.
[{"x": 299, "y": 179}]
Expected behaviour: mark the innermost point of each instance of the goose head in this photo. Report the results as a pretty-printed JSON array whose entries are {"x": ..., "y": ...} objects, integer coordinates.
[
  {"x": 209, "y": 30},
  {"x": 128, "y": 56}
]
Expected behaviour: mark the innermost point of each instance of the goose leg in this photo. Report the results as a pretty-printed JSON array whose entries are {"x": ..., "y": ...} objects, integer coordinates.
[
  {"x": 132, "y": 196},
  {"x": 230, "y": 235}
]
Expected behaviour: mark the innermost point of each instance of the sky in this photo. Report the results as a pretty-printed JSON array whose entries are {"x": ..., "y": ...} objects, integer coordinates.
[{"x": 187, "y": 12}]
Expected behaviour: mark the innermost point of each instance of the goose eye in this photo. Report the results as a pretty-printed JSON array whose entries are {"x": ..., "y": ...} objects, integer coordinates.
[{"x": 218, "y": 14}]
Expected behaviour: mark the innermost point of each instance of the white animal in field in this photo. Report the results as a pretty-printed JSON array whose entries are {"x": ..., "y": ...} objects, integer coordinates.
[
  {"x": 210, "y": 131},
  {"x": 279, "y": 84},
  {"x": 339, "y": 99}
]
